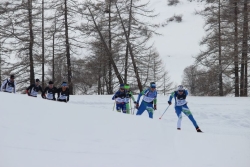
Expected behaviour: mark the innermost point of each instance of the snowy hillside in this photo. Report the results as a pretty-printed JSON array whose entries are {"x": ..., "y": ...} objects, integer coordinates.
[
  {"x": 179, "y": 41},
  {"x": 86, "y": 133}
]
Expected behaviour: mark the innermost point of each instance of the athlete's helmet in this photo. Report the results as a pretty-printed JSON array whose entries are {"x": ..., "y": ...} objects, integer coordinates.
[{"x": 180, "y": 88}]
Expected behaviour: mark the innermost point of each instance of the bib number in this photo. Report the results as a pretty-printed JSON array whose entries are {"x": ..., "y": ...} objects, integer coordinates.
[
  {"x": 180, "y": 102},
  {"x": 50, "y": 96},
  {"x": 148, "y": 99}
]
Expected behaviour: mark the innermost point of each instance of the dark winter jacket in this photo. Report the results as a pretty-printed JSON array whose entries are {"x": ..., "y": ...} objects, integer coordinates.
[{"x": 50, "y": 93}]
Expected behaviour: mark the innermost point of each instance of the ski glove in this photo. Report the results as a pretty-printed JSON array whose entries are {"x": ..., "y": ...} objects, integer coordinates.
[
  {"x": 135, "y": 102},
  {"x": 169, "y": 102},
  {"x": 155, "y": 107},
  {"x": 43, "y": 96},
  {"x": 27, "y": 92},
  {"x": 137, "y": 106}
]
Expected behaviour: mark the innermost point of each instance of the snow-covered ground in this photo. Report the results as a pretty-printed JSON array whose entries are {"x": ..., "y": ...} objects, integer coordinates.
[{"x": 86, "y": 132}]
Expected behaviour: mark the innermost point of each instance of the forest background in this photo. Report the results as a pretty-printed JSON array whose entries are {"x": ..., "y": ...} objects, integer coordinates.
[{"x": 97, "y": 45}]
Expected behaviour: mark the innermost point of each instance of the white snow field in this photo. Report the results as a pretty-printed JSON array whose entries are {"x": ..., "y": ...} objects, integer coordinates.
[{"x": 86, "y": 132}]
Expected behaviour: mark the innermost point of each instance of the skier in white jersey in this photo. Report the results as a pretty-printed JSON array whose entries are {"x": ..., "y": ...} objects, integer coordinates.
[
  {"x": 9, "y": 85},
  {"x": 180, "y": 96}
]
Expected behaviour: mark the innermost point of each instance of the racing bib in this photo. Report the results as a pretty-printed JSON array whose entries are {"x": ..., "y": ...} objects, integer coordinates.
[
  {"x": 33, "y": 93},
  {"x": 62, "y": 97},
  {"x": 50, "y": 96},
  {"x": 120, "y": 100},
  {"x": 148, "y": 99},
  {"x": 9, "y": 89},
  {"x": 180, "y": 102}
]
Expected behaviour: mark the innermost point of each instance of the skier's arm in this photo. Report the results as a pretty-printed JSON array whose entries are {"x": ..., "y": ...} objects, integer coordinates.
[
  {"x": 2, "y": 86},
  {"x": 155, "y": 100},
  {"x": 68, "y": 96},
  {"x": 139, "y": 96},
  {"x": 27, "y": 90},
  {"x": 115, "y": 96},
  {"x": 171, "y": 97},
  {"x": 133, "y": 98},
  {"x": 186, "y": 92},
  {"x": 58, "y": 92},
  {"x": 41, "y": 89},
  {"x": 44, "y": 92}
]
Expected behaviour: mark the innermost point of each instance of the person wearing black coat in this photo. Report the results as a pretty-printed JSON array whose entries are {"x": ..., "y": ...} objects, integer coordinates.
[
  {"x": 63, "y": 93},
  {"x": 33, "y": 89},
  {"x": 50, "y": 91}
]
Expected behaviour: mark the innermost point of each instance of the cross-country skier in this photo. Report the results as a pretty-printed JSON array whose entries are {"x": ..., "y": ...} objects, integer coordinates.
[
  {"x": 129, "y": 95},
  {"x": 149, "y": 100},
  {"x": 9, "y": 85},
  {"x": 120, "y": 99},
  {"x": 63, "y": 93},
  {"x": 50, "y": 91},
  {"x": 180, "y": 96},
  {"x": 33, "y": 89}
]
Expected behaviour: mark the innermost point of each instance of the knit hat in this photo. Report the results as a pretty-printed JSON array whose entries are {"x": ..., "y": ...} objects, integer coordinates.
[
  {"x": 122, "y": 86},
  {"x": 126, "y": 86},
  {"x": 37, "y": 80},
  {"x": 50, "y": 82},
  {"x": 64, "y": 84}
]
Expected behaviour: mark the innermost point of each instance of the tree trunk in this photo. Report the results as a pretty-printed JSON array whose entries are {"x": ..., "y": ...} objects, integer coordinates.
[
  {"x": 126, "y": 55},
  {"x": 107, "y": 50},
  {"x": 68, "y": 48},
  {"x": 220, "y": 56},
  {"x": 110, "y": 89},
  {"x": 245, "y": 47},
  {"x": 31, "y": 42},
  {"x": 130, "y": 51},
  {"x": 43, "y": 84},
  {"x": 236, "y": 58}
]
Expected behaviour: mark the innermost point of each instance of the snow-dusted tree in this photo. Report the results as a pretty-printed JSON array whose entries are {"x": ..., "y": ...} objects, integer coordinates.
[{"x": 18, "y": 29}]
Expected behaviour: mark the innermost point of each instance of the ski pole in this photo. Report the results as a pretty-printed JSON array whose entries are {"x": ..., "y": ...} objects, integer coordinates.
[
  {"x": 130, "y": 106},
  {"x": 114, "y": 106},
  {"x": 164, "y": 112}
]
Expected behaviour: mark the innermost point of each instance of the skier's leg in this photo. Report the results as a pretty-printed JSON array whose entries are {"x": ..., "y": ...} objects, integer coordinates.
[
  {"x": 150, "y": 110},
  {"x": 141, "y": 108},
  {"x": 123, "y": 107},
  {"x": 178, "y": 110},
  {"x": 188, "y": 113},
  {"x": 128, "y": 108},
  {"x": 118, "y": 107}
]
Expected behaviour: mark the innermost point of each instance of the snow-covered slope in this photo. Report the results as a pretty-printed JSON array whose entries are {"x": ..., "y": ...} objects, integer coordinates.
[
  {"x": 179, "y": 41},
  {"x": 86, "y": 133}
]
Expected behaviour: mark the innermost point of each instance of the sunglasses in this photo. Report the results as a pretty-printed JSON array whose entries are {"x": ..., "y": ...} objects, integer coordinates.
[
  {"x": 122, "y": 89},
  {"x": 180, "y": 91}
]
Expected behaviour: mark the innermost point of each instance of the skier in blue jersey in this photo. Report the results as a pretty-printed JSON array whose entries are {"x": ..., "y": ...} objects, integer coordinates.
[
  {"x": 120, "y": 99},
  {"x": 180, "y": 96},
  {"x": 149, "y": 100}
]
